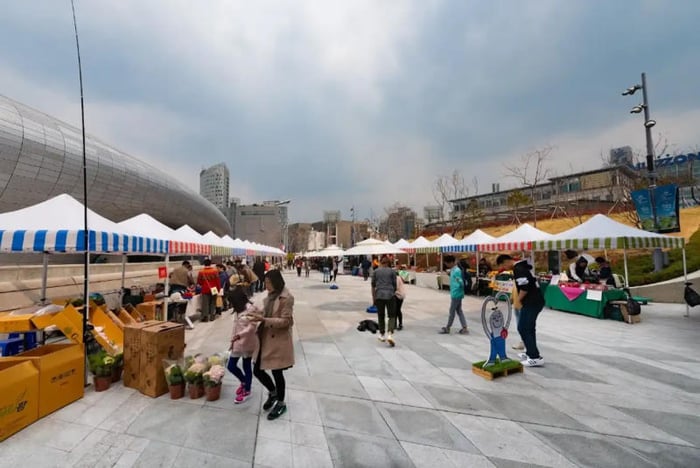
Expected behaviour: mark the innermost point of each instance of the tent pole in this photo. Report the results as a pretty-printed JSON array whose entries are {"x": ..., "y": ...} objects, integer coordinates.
[
  {"x": 685, "y": 280},
  {"x": 627, "y": 280},
  {"x": 123, "y": 272},
  {"x": 44, "y": 277},
  {"x": 167, "y": 287},
  {"x": 478, "y": 284}
]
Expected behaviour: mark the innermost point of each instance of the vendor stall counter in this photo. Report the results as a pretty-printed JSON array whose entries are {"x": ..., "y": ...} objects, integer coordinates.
[{"x": 579, "y": 301}]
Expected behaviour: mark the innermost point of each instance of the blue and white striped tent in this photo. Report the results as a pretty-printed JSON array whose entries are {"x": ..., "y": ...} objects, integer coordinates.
[
  {"x": 56, "y": 225},
  {"x": 469, "y": 243}
]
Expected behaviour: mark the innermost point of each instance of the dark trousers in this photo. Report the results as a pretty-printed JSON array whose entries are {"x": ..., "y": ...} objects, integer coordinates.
[
  {"x": 335, "y": 274},
  {"x": 299, "y": 272},
  {"x": 246, "y": 376},
  {"x": 365, "y": 274},
  {"x": 388, "y": 307},
  {"x": 208, "y": 305},
  {"x": 277, "y": 387},
  {"x": 399, "y": 314},
  {"x": 526, "y": 328}
]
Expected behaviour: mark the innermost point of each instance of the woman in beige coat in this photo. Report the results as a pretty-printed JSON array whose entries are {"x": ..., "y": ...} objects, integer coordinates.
[{"x": 276, "y": 351}]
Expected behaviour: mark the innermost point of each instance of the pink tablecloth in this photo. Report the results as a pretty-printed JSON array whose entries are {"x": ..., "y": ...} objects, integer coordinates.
[{"x": 571, "y": 293}]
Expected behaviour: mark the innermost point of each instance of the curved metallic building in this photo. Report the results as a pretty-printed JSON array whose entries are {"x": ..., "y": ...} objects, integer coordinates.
[{"x": 41, "y": 157}]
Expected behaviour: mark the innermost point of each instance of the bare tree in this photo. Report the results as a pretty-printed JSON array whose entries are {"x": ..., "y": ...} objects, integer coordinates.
[
  {"x": 515, "y": 200},
  {"x": 454, "y": 217},
  {"x": 532, "y": 171}
]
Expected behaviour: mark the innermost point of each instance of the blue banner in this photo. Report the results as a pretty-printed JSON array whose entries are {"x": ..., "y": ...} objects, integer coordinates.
[
  {"x": 658, "y": 211},
  {"x": 666, "y": 203},
  {"x": 645, "y": 211}
]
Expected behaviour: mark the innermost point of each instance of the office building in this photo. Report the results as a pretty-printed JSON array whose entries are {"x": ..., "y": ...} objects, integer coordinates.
[{"x": 214, "y": 185}]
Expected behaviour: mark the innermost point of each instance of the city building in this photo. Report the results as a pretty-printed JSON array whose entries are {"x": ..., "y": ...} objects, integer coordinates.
[
  {"x": 683, "y": 169},
  {"x": 305, "y": 237},
  {"x": 579, "y": 192},
  {"x": 400, "y": 223},
  {"x": 265, "y": 223},
  {"x": 41, "y": 157},
  {"x": 214, "y": 185}
]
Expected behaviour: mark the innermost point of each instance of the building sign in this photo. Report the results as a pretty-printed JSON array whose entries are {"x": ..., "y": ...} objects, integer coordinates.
[
  {"x": 661, "y": 215},
  {"x": 670, "y": 160}
]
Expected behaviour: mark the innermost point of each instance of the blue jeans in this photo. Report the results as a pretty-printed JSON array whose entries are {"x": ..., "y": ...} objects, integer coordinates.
[
  {"x": 526, "y": 328},
  {"x": 326, "y": 275},
  {"x": 246, "y": 377},
  {"x": 456, "y": 308}
]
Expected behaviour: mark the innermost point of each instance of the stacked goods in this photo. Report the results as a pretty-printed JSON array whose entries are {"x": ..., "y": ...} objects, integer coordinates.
[{"x": 19, "y": 396}]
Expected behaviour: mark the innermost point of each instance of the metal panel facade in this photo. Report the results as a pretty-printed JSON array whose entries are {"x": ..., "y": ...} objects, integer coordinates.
[{"x": 41, "y": 157}]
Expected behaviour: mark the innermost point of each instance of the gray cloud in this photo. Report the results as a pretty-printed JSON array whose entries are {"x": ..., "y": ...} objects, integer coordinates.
[{"x": 334, "y": 104}]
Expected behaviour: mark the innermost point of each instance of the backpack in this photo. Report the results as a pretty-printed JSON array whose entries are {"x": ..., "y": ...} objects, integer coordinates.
[
  {"x": 633, "y": 307},
  {"x": 692, "y": 298}
]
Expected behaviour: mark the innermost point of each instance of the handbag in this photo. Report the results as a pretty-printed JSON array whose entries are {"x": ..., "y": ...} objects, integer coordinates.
[{"x": 692, "y": 298}]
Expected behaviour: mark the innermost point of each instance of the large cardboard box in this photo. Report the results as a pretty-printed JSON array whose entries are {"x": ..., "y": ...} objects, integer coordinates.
[
  {"x": 132, "y": 353},
  {"x": 61, "y": 374},
  {"x": 165, "y": 340},
  {"x": 19, "y": 396}
]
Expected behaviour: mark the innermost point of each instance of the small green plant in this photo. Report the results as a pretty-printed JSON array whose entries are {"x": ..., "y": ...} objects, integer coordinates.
[
  {"x": 101, "y": 364},
  {"x": 213, "y": 376},
  {"x": 174, "y": 375},
  {"x": 195, "y": 374},
  {"x": 498, "y": 366},
  {"x": 118, "y": 360}
]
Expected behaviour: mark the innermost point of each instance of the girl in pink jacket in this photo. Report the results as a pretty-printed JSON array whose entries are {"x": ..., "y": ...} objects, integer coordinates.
[{"x": 244, "y": 341}]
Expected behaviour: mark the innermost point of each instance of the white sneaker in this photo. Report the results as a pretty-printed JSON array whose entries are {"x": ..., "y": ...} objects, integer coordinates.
[
  {"x": 539, "y": 362},
  {"x": 381, "y": 337},
  {"x": 390, "y": 340}
]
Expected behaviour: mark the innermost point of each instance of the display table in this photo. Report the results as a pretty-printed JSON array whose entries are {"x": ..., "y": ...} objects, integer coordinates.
[{"x": 556, "y": 299}]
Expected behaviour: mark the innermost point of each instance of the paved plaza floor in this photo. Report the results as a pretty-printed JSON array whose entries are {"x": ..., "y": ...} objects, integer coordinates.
[{"x": 611, "y": 394}]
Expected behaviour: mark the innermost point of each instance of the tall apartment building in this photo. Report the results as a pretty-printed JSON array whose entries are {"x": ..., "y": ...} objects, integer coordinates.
[{"x": 214, "y": 186}]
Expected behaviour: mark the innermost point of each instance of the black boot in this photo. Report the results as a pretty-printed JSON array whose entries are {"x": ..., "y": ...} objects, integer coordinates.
[{"x": 278, "y": 410}]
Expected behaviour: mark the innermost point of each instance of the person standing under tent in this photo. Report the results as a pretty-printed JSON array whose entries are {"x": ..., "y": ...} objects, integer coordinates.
[
  {"x": 181, "y": 278},
  {"x": 222, "y": 303},
  {"x": 456, "y": 297},
  {"x": 276, "y": 351},
  {"x": 366, "y": 265},
  {"x": 384, "y": 295},
  {"x": 532, "y": 302},
  {"x": 259, "y": 270},
  {"x": 335, "y": 264},
  {"x": 208, "y": 281},
  {"x": 307, "y": 267}
]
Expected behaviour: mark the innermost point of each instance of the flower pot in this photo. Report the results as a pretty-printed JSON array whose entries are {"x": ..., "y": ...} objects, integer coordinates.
[
  {"x": 117, "y": 373},
  {"x": 177, "y": 391},
  {"x": 101, "y": 383},
  {"x": 213, "y": 393},
  {"x": 195, "y": 390}
]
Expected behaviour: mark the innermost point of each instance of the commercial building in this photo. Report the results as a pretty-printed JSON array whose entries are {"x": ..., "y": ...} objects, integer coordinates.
[
  {"x": 41, "y": 157},
  {"x": 683, "y": 169},
  {"x": 586, "y": 191},
  {"x": 265, "y": 223},
  {"x": 214, "y": 185}
]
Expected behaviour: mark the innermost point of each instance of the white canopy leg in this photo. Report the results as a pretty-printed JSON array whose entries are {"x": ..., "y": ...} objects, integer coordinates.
[
  {"x": 44, "y": 278},
  {"x": 166, "y": 288},
  {"x": 685, "y": 280},
  {"x": 627, "y": 280}
]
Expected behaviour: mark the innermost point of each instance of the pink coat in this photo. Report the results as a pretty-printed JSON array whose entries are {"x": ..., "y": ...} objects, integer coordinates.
[{"x": 247, "y": 343}]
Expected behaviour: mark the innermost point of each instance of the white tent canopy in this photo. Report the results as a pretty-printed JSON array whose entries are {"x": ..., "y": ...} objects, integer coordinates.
[
  {"x": 601, "y": 232},
  {"x": 57, "y": 224},
  {"x": 522, "y": 238},
  {"x": 443, "y": 242},
  {"x": 402, "y": 244},
  {"x": 419, "y": 245},
  {"x": 470, "y": 243},
  {"x": 373, "y": 247},
  {"x": 330, "y": 251}
]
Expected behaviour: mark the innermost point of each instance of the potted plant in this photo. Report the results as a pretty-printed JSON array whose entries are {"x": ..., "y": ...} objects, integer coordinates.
[
  {"x": 100, "y": 365},
  {"x": 212, "y": 382},
  {"x": 195, "y": 380},
  {"x": 176, "y": 381},
  {"x": 117, "y": 367}
]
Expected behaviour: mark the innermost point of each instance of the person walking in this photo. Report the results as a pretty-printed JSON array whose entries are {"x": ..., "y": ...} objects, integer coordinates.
[
  {"x": 244, "y": 341},
  {"x": 366, "y": 265},
  {"x": 259, "y": 270},
  {"x": 299, "y": 264},
  {"x": 221, "y": 303},
  {"x": 384, "y": 296},
  {"x": 400, "y": 296},
  {"x": 336, "y": 263},
  {"x": 532, "y": 302},
  {"x": 276, "y": 351},
  {"x": 208, "y": 281},
  {"x": 307, "y": 267},
  {"x": 456, "y": 296}
]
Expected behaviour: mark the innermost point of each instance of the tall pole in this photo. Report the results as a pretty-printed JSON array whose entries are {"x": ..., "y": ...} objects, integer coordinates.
[
  {"x": 86, "y": 232},
  {"x": 650, "y": 143}
]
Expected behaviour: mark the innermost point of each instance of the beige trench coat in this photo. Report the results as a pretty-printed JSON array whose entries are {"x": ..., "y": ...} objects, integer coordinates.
[{"x": 276, "y": 334}]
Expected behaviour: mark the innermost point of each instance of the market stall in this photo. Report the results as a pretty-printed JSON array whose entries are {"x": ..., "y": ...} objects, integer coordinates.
[{"x": 587, "y": 300}]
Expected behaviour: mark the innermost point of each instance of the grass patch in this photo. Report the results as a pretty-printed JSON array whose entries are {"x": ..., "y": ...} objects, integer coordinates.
[
  {"x": 641, "y": 267},
  {"x": 499, "y": 366}
]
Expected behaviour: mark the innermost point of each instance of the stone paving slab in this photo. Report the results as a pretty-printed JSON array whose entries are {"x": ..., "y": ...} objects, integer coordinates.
[{"x": 611, "y": 394}]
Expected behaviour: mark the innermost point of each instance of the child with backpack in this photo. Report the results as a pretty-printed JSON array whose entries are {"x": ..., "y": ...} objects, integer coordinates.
[{"x": 244, "y": 341}]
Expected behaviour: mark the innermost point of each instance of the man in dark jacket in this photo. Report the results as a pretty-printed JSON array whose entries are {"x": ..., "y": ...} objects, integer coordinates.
[
  {"x": 532, "y": 300},
  {"x": 259, "y": 270},
  {"x": 384, "y": 295}
]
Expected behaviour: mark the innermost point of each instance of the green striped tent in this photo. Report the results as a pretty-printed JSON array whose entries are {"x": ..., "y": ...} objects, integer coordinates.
[{"x": 601, "y": 232}]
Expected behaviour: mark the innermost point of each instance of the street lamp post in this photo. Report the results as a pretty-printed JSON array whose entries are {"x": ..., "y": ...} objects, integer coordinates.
[{"x": 650, "y": 157}]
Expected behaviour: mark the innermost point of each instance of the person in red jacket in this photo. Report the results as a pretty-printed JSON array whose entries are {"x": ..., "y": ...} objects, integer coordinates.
[{"x": 208, "y": 279}]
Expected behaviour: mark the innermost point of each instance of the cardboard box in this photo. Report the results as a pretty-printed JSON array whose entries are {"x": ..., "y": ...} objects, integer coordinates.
[
  {"x": 69, "y": 321},
  {"x": 19, "y": 396},
  {"x": 126, "y": 319},
  {"x": 132, "y": 353},
  {"x": 165, "y": 340},
  {"x": 61, "y": 374},
  {"x": 112, "y": 334},
  {"x": 15, "y": 323},
  {"x": 151, "y": 310}
]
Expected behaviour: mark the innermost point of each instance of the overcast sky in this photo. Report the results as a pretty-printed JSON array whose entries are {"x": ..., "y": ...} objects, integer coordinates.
[{"x": 334, "y": 104}]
